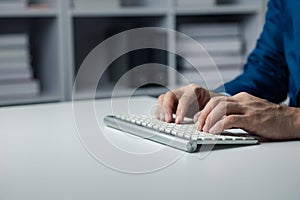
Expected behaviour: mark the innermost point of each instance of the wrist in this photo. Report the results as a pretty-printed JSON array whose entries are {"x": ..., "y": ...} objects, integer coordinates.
[
  {"x": 292, "y": 119},
  {"x": 296, "y": 122}
]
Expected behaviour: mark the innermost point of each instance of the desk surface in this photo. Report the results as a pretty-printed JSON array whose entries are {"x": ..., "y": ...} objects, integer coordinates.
[{"x": 42, "y": 156}]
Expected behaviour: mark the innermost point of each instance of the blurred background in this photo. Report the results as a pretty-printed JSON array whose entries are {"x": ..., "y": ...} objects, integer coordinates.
[{"x": 44, "y": 42}]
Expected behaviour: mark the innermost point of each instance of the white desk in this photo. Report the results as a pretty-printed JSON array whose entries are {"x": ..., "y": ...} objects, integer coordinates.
[{"x": 41, "y": 157}]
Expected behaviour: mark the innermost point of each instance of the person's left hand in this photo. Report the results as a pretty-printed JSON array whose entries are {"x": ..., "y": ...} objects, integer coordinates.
[{"x": 255, "y": 115}]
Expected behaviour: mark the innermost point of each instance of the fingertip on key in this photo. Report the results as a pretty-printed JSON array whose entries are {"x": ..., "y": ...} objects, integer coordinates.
[
  {"x": 178, "y": 119},
  {"x": 213, "y": 131},
  {"x": 197, "y": 125},
  {"x": 205, "y": 128},
  {"x": 167, "y": 117},
  {"x": 161, "y": 117}
]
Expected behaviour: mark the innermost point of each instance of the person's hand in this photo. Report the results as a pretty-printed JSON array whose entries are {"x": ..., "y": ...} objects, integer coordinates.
[
  {"x": 180, "y": 101},
  {"x": 255, "y": 115}
]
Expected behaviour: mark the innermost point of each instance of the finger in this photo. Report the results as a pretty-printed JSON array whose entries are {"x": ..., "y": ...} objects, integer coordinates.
[
  {"x": 189, "y": 95},
  {"x": 219, "y": 111},
  {"x": 182, "y": 108},
  {"x": 214, "y": 115},
  {"x": 231, "y": 121},
  {"x": 159, "y": 107},
  {"x": 196, "y": 117},
  {"x": 169, "y": 104},
  {"x": 207, "y": 109}
]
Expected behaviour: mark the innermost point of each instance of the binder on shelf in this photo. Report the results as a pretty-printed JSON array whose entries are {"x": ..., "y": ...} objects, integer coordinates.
[
  {"x": 195, "y": 3},
  {"x": 223, "y": 43},
  {"x": 228, "y": 73},
  {"x": 207, "y": 62},
  {"x": 13, "y": 40},
  {"x": 41, "y": 5},
  {"x": 14, "y": 65},
  {"x": 14, "y": 55},
  {"x": 210, "y": 29},
  {"x": 15, "y": 74},
  {"x": 13, "y": 4},
  {"x": 19, "y": 89},
  {"x": 214, "y": 45},
  {"x": 14, "y": 48},
  {"x": 96, "y": 4},
  {"x": 211, "y": 78}
]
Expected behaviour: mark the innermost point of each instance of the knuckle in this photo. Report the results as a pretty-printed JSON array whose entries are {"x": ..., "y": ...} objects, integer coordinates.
[
  {"x": 247, "y": 96},
  {"x": 231, "y": 119},
  {"x": 242, "y": 94},
  {"x": 216, "y": 99},
  {"x": 170, "y": 94},
  {"x": 195, "y": 88},
  {"x": 193, "y": 85},
  {"x": 225, "y": 106},
  {"x": 161, "y": 97}
]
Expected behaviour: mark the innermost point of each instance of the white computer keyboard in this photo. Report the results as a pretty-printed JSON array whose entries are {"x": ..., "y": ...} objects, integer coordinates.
[{"x": 181, "y": 136}]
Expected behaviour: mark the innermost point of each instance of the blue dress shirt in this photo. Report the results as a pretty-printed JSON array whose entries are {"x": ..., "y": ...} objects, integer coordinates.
[{"x": 273, "y": 68}]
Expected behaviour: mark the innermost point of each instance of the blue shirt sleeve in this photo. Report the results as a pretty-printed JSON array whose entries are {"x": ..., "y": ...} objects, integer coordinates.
[{"x": 265, "y": 74}]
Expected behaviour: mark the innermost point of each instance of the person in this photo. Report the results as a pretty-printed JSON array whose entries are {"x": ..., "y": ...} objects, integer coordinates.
[{"x": 272, "y": 71}]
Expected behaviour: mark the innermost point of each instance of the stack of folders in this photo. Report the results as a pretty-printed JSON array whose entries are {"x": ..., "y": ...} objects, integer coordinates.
[
  {"x": 13, "y": 4},
  {"x": 224, "y": 58},
  {"x": 194, "y": 3},
  {"x": 16, "y": 76},
  {"x": 96, "y": 4}
]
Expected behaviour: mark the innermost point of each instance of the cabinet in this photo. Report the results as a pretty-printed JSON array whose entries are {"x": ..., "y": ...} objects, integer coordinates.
[{"x": 61, "y": 37}]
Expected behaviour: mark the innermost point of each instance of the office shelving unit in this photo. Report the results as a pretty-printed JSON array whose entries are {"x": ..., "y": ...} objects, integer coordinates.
[
  {"x": 42, "y": 27},
  {"x": 61, "y": 37}
]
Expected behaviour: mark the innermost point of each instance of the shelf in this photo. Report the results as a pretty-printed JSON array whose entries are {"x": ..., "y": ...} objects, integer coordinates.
[
  {"x": 31, "y": 13},
  {"x": 124, "y": 12},
  {"x": 219, "y": 10},
  {"x": 61, "y": 37},
  {"x": 107, "y": 93},
  {"x": 135, "y": 12}
]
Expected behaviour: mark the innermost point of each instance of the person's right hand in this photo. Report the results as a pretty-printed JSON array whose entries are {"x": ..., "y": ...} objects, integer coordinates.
[{"x": 180, "y": 101}]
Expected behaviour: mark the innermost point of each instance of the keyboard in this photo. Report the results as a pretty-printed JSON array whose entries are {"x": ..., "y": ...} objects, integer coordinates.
[{"x": 181, "y": 136}]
